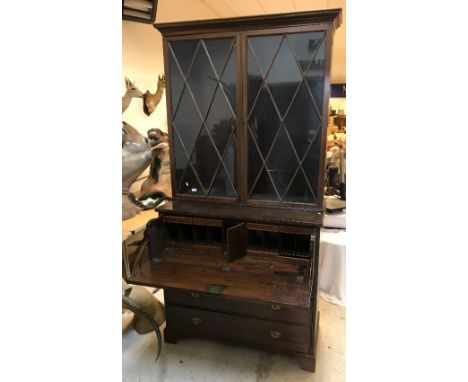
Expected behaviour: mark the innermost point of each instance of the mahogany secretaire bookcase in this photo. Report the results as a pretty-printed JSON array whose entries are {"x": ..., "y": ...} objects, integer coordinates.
[{"x": 237, "y": 249}]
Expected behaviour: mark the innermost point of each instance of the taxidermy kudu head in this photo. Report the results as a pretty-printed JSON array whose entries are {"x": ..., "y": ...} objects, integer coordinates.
[
  {"x": 137, "y": 154},
  {"x": 151, "y": 101},
  {"x": 131, "y": 92}
]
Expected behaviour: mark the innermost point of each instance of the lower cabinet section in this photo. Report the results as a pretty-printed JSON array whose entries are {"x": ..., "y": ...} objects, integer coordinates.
[
  {"x": 235, "y": 279},
  {"x": 269, "y": 335}
]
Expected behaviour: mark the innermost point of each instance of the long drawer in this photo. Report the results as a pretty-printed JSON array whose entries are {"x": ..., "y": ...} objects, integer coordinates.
[
  {"x": 274, "y": 312},
  {"x": 243, "y": 330}
]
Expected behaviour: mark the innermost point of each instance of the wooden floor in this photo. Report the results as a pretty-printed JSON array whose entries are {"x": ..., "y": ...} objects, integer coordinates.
[{"x": 200, "y": 360}]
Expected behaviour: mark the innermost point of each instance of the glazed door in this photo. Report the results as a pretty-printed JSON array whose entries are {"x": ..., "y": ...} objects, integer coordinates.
[
  {"x": 202, "y": 111},
  {"x": 285, "y": 80}
]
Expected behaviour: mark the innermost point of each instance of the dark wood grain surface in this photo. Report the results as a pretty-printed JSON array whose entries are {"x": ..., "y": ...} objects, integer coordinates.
[
  {"x": 272, "y": 311},
  {"x": 188, "y": 322},
  {"x": 252, "y": 286},
  {"x": 245, "y": 23},
  {"x": 243, "y": 213}
]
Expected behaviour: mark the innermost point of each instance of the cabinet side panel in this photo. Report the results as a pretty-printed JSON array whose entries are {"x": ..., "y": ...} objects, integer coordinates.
[{"x": 167, "y": 74}]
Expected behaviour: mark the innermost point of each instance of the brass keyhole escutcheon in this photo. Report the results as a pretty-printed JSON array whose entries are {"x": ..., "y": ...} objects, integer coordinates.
[
  {"x": 195, "y": 295},
  {"x": 275, "y": 307},
  {"x": 275, "y": 334},
  {"x": 196, "y": 320}
]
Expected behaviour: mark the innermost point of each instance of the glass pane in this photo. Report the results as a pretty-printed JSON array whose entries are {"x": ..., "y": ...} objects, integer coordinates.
[
  {"x": 187, "y": 121},
  {"x": 299, "y": 192},
  {"x": 255, "y": 79},
  {"x": 302, "y": 121},
  {"x": 177, "y": 81},
  {"x": 189, "y": 184},
  {"x": 220, "y": 120},
  {"x": 315, "y": 76},
  {"x": 183, "y": 52},
  {"x": 311, "y": 163},
  {"x": 202, "y": 81},
  {"x": 228, "y": 81},
  {"x": 282, "y": 162},
  {"x": 180, "y": 155},
  {"x": 221, "y": 185},
  {"x": 218, "y": 50},
  {"x": 205, "y": 159},
  {"x": 264, "y": 189},
  {"x": 255, "y": 163},
  {"x": 230, "y": 159},
  {"x": 265, "y": 48},
  {"x": 204, "y": 120},
  {"x": 304, "y": 46},
  {"x": 285, "y": 77},
  {"x": 264, "y": 122}
]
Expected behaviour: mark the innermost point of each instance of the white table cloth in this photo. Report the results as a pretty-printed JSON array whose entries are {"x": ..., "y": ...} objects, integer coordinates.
[
  {"x": 335, "y": 220},
  {"x": 332, "y": 280}
]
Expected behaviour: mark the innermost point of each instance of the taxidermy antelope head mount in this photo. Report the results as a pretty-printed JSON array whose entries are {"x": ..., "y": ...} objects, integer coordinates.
[
  {"x": 152, "y": 100},
  {"x": 132, "y": 92}
]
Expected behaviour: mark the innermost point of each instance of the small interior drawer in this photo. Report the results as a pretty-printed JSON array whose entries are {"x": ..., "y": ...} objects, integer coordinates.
[
  {"x": 274, "y": 312},
  {"x": 245, "y": 330}
]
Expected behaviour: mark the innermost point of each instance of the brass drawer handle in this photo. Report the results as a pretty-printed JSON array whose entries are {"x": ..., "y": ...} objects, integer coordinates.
[
  {"x": 195, "y": 295},
  {"x": 196, "y": 320},
  {"x": 275, "y": 307},
  {"x": 275, "y": 334}
]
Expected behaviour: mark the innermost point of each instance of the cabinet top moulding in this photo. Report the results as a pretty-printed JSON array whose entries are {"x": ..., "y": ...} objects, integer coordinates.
[{"x": 251, "y": 22}]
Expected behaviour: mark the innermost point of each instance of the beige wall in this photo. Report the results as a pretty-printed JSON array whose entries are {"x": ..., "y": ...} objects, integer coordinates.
[{"x": 142, "y": 62}]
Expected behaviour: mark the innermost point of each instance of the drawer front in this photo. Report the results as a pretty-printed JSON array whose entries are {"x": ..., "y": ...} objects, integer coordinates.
[
  {"x": 274, "y": 312},
  {"x": 244, "y": 330}
]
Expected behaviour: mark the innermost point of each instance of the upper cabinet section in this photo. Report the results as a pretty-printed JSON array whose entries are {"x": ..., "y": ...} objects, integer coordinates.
[
  {"x": 247, "y": 106},
  {"x": 203, "y": 102}
]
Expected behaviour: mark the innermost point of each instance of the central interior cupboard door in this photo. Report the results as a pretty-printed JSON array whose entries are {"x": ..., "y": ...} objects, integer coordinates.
[
  {"x": 285, "y": 95},
  {"x": 202, "y": 75}
]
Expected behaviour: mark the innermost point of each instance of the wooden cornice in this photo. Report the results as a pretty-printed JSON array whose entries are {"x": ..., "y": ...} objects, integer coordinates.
[{"x": 251, "y": 22}]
